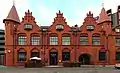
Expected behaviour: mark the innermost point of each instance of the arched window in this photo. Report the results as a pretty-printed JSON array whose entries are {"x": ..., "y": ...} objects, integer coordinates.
[
  {"x": 96, "y": 39},
  {"x": 35, "y": 53},
  {"x": 66, "y": 39},
  {"x": 22, "y": 55},
  {"x": 53, "y": 39},
  {"x": 84, "y": 39},
  {"x": 35, "y": 40},
  {"x": 22, "y": 40},
  {"x": 66, "y": 55}
]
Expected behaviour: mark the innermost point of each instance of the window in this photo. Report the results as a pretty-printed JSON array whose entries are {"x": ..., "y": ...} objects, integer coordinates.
[
  {"x": 65, "y": 56},
  {"x": 117, "y": 30},
  {"x": 28, "y": 26},
  {"x": 21, "y": 56},
  {"x": 35, "y": 54},
  {"x": 22, "y": 40},
  {"x": 90, "y": 27},
  {"x": 59, "y": 27},
  {"x": 117, "y": 41},
  {"x": 117, "y": 55},
  {"x": 83, "y": 40},
  {"x": 35, "y": 40},
  {"x": 102, "y": 56},
  {"x": 66, "y": 40},
  {"x": 54, "y": 40},
  {"x": 96, "y": 40}
]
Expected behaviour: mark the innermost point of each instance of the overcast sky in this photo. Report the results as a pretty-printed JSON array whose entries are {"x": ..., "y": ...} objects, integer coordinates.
[{"x": 45, "y": 10}]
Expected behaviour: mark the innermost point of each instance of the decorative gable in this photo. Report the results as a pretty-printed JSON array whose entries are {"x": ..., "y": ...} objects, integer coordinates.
[
  {"x": 59, "y": 23},
  {"x": 89, "y": 22}
]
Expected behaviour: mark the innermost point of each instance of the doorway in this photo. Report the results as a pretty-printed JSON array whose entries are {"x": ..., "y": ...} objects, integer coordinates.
[
  {"x": 84, "y": 59},
  {"x": 53, "y": 58}
]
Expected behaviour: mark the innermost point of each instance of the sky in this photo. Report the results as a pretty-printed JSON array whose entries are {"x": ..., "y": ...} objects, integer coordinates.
[{"x": 45, "y": 11}]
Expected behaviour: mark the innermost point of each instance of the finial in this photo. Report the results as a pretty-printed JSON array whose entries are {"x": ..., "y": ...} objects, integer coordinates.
[
  {"x": 14, "y": 2},
  {"x": 102, "y": 4},
  {"x": 59, "y": 11}
]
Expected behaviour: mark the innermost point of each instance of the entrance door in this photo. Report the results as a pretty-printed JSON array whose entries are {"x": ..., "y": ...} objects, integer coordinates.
[
  {"x": 84, "y": 59},
  {"x": 53, "y": 58}
]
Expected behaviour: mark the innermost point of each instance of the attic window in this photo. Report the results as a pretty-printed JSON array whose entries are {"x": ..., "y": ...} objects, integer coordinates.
[
  {"x": 59, "y": 27},
  {"x": 90, "y": 27},
  {"x": 28, "y": 26}
]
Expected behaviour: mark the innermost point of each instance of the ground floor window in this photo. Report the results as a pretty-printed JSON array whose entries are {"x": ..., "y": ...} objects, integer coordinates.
[
  {"x": 65, "y": 56},
  {"x": 21, "y": 56},
  {"x": 35, "y": 54},
  {"x": 117, "y": 55},
  {"x": 102, "y": 56}
]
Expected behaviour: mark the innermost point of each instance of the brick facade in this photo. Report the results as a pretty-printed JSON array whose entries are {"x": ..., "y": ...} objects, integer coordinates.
[{"x": 102, "y": 28}]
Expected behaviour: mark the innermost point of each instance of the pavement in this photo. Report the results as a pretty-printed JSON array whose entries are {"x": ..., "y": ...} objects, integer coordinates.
[{"x": 108, "y": 69}]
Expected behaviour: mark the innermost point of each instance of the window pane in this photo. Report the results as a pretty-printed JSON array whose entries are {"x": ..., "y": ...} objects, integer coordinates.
[
  {"x": 54, "y": 40},
  {"x": 96, "y": 40},
  {"x": 117, "y": 41},
  {"x": 117, "y": 55},
  {"x": 83, "y": 40},
  {"x": 101, "y": 56},
  {"x": 35, "y": 54},
  {"x": 65, "y": 56},
  {"x": 21, "y": 56},
  {"x": 65, "y": 40},
  {"x": 22, "y": 40},
  {"x": 35, "y": 40}
]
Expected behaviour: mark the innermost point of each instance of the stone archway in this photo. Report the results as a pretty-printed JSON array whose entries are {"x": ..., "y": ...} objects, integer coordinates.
[{"x": 85, "y": 59}]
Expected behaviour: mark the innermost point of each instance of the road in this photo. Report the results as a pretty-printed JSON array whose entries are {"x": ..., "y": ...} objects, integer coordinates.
[{"x": 59, "y": 70}]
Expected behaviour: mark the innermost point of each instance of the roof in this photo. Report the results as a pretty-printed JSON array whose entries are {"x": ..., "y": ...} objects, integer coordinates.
[
  {"x": 13, "y": 15},
  {"x": 103, "y": 16}
]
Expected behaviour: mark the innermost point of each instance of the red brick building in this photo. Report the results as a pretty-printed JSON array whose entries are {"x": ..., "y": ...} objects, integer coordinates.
[{"x": 95, "y": 42}]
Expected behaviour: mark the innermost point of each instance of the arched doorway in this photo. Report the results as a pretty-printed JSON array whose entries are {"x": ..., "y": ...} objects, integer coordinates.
[
  {"x": 84, "y": 59},
  {"x": 53, "y": 56}
]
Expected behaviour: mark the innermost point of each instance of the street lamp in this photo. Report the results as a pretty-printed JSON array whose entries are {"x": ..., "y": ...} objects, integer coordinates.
[{"x": 75, "y": 31}]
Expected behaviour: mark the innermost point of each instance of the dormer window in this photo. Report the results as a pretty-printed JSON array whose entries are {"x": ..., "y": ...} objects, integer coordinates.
[
  {"x": 28, "y": 26},
  {"x": 117, "y": 30},
  {"x": 59, "y": 27},
  {"x": 90, "y": 27}
]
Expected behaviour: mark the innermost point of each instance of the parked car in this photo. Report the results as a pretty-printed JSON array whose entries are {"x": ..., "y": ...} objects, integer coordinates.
[{"x": 117, "y": 66}]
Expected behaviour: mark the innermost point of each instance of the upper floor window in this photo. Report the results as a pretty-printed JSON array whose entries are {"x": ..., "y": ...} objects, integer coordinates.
[
  {"x": 83, "y": 40},
  {"x": 90, "y": 27},
  {"x": 28, "y": 26},
  {"x": 59, "y": 27},
  {"x": 35, "y": 40},
  {"x": 96, "y": 40},
  {"x": 22, "y": 40},
  {"x": 117, "y": 41},
  {"x": 53, "y": 40},
  {"x": 65, "y": 40}
]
